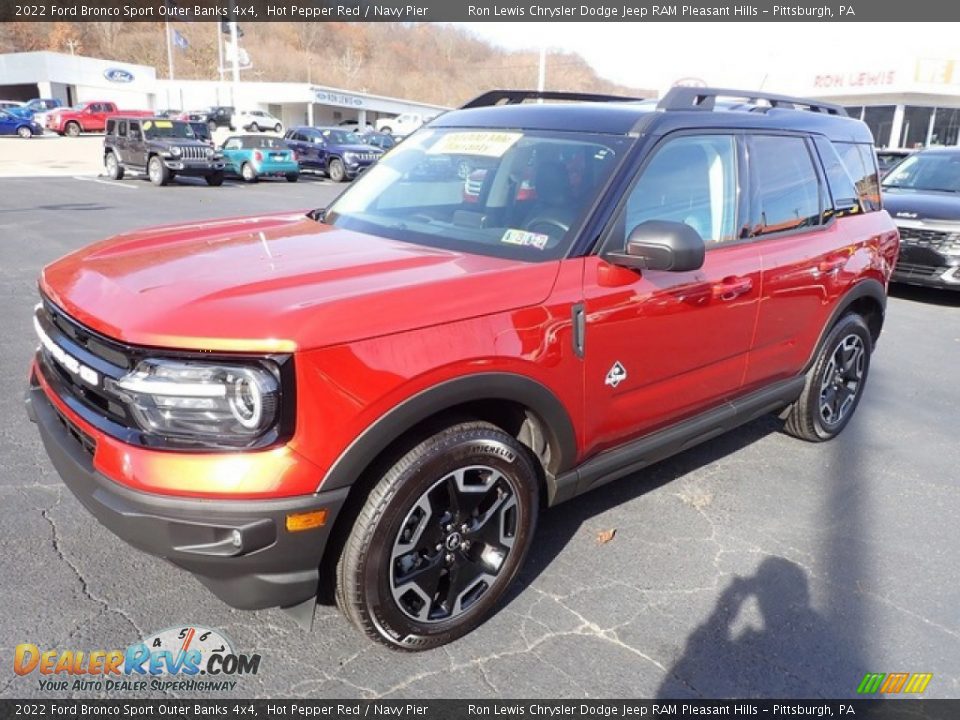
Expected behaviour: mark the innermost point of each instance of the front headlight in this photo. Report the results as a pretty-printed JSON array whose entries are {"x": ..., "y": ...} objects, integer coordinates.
[
  {"x": 174, "y": 151},
  {"x": 349, "y": 157},
  {"x": 210, "y": 403}
]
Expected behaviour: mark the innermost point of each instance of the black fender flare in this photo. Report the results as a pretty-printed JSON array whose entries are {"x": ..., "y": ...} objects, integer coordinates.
[
  {"x": 869, "y": 288},
  {"x": 483, "y": 386}
]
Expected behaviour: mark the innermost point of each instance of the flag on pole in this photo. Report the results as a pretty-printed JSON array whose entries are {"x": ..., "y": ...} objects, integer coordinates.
[{"x": 180, "y": 41}]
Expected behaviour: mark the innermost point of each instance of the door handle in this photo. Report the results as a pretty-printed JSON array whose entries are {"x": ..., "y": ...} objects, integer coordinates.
[{"x": 732, "y": 287}]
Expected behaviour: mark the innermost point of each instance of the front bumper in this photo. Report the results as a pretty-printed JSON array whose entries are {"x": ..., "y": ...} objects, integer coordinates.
[
  {"x": 924, "y": 266},
  {"x": 239, "y": 549},
  {"x": 191, "y": 168}
]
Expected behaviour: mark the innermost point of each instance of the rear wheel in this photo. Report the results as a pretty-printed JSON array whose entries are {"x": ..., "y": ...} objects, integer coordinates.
[
  {"x": 157, "y": 171},
  {"x": 248, "y": 174},
  {"x": 215, "y": 180},
  {"x": 114, "y": 169},
  {"x": 336, "y": 171},
  {"x": 212, "y": 126},
  {"x": 254, "y": 127},
  {"x": 72, "y": 129},
  {"x": 440, "y": 538},
  {"x": 834, "y": 384},
  {"x": 24, "y": 132}
]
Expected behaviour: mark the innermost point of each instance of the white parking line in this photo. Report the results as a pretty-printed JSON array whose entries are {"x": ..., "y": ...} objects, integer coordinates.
[{"x": 106, "y": 182}]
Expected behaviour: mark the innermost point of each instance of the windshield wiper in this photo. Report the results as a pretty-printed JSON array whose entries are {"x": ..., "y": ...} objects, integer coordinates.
[{"x": 319, "y": 214}]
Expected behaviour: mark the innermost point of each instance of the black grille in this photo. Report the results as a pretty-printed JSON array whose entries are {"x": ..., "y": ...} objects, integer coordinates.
[
  {"x": 88, "y": 444},
  {"x": 107, "y": 358},
  {"x": 933, "y": 239}
]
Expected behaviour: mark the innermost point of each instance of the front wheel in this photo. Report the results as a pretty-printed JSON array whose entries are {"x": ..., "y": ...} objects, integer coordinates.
[
  {"x": 440, "y": 538},
  {"x": 336, "y": 171},
  {"x": 277, "y": 128},
  {"x": 72, "y": 129},
  {"x": 24, "y": 132},
  {"x": 158, "y": 172},
  {"x": 293, "y": 177},
  {"x": 834, "y": 384},
  {"x": 214, "y": 179}
]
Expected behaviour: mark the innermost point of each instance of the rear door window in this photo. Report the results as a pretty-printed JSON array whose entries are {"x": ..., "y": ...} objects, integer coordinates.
[{"x": 785, "y": 185}]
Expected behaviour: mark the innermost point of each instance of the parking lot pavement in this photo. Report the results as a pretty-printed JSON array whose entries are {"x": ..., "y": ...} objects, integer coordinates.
[
  {"x": 51, "y": 155},
  {"x": 753, "y": 565}
]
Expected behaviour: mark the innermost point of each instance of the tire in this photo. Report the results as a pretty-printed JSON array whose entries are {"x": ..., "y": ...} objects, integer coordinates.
[
  {"x": 214, "y": 180},
  {"x": 114, "y": 168},
  {"x": 157, "y": 172},
  {"x": 834, "y": 383},
  {"x": 248, "y": 174},
  {"x": 293, "y": 177},
  {"x": 254, "y": 127},
  {"x": 387, "y": 130},
  {"x": 24, "y": 132},
  {"x": 212, "y": 127},
  {"x": 456, "y": 536},
  {"x": 278, "y": 128},
  {"x": 72, "y": 129},
  {"x": 336, "y": 171}
]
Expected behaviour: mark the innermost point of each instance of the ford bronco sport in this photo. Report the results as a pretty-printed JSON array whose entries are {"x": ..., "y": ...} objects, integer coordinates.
[{"x": 377, "y": 399}]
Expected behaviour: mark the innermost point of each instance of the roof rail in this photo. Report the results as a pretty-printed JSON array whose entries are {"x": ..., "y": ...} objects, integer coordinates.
[
  {"x": 515, "y": 97},
  {"x": 696, "y": 98}
]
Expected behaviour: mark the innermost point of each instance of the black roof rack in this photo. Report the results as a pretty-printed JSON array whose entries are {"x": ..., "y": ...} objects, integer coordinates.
[
  {"x": 515, "y": 97},
  {"x": 695, "y": 98}
]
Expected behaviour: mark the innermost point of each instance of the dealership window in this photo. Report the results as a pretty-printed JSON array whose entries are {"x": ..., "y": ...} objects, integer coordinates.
[
  {"x": 855, "y": 111},
  {"x": 946, "y": 127},
  {"x": 916, "y": 125},
  {"x": 879, "y": 118},
  {"x": 786, "y": 186}
]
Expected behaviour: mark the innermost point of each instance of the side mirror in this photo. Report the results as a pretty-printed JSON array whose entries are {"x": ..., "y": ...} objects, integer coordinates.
[{"x": 661, "y": 245}]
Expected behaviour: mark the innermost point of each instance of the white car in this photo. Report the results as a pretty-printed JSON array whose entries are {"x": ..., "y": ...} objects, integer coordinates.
[
  {"x": 403, "y": 125},
  {"x": 256, "y": 121}
]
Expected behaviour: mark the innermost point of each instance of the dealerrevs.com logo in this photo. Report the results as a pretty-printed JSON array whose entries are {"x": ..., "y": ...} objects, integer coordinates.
[{"x": 193, "y": 659}]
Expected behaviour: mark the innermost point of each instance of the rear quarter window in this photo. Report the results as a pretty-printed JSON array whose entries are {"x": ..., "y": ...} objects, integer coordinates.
[{"x": 861, "y": 164}]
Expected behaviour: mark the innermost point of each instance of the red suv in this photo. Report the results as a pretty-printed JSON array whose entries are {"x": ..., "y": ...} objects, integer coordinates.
[{"x": 380, "y": 397}]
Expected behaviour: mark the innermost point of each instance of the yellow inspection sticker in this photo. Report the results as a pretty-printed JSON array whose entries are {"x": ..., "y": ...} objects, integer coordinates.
[
  {"x": 164, "y": 124},
  {"x": 490, "y": 144}
]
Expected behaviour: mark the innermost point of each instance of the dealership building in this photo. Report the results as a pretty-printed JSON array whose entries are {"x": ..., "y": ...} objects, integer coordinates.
[{"x": 75, "y": 79}]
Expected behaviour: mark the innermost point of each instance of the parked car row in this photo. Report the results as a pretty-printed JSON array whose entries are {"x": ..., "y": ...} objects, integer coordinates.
[{"x": 163, "y": 148}]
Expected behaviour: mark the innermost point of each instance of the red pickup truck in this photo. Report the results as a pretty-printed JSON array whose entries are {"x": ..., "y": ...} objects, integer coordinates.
[{"x": 87, "y": 117}]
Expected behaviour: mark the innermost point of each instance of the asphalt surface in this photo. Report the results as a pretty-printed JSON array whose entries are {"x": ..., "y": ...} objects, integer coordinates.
[{"x": 755, "y": 565}]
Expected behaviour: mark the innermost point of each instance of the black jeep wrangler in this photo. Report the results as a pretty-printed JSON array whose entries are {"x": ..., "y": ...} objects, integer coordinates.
[
  {"x": 161, "y": 148},
  {"x": 220, "y": 116}
]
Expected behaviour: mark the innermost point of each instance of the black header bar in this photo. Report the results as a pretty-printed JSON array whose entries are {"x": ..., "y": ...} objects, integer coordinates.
[{"x": 480, "y": 10}]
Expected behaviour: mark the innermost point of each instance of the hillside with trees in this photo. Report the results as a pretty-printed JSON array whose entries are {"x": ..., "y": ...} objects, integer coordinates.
[{"x": 434, "y": 63}]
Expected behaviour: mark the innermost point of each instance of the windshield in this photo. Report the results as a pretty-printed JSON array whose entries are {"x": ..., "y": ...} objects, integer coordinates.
[
  {"x": 494, "y": 192},
  {"x": 153, "y": 129},
  {"x": 937, "y": 171}
]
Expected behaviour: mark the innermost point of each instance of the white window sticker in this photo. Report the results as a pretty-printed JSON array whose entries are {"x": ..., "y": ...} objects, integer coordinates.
[
  {"x": 489, "y": 144},
  {"x": 522, "y": 237}
]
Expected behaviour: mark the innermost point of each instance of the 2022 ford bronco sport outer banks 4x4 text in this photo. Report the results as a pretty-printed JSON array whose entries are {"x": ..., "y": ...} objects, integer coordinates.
[{"x": 384, "y": 394}]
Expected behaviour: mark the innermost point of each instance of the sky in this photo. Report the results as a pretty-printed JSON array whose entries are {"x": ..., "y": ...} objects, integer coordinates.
[{"x": 655, "y": 55}]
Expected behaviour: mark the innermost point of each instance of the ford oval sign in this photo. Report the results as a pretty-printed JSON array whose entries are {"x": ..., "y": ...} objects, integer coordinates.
[{"x": 118, "y": 76}]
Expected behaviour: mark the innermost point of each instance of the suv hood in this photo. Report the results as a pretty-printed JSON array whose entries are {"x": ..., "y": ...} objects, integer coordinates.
[
  {"x": 903, "y": 204},
  {"x": 361, "y": 148},
  {"x": 277, "y": 284}
]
